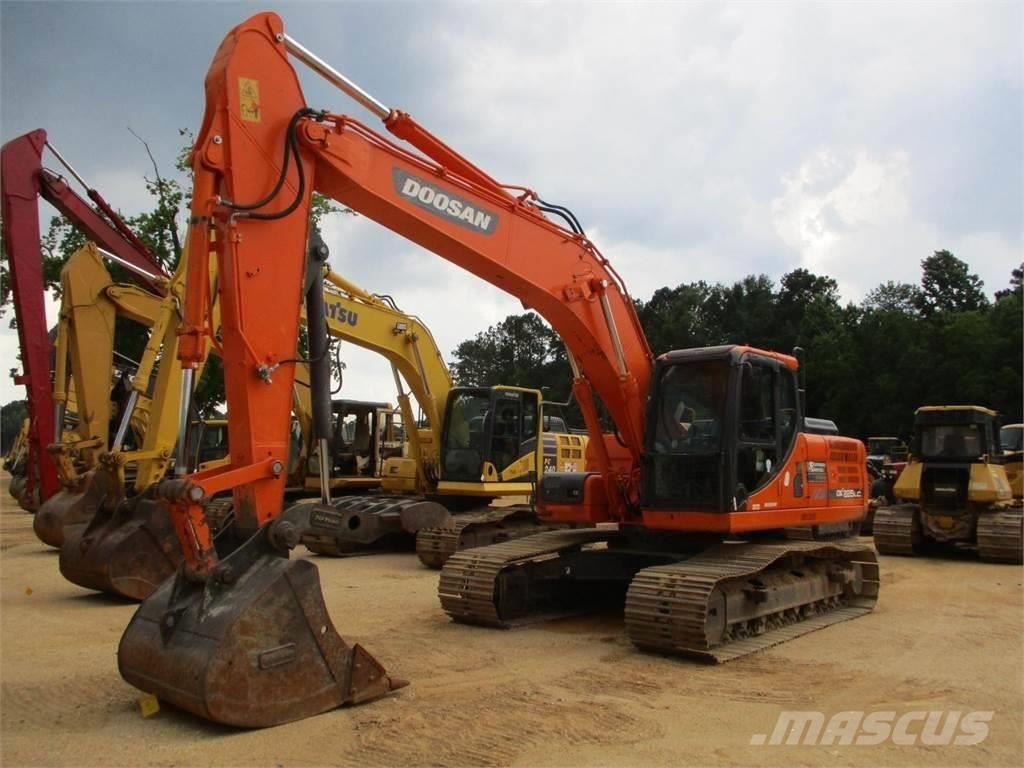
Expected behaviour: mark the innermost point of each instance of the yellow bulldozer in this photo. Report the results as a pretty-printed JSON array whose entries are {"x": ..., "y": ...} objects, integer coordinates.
[{"x": 955, "y": 492}]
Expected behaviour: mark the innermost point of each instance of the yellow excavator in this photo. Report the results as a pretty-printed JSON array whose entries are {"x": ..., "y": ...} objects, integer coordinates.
[
  {"x": 91, "y": 304},
  {"x": 470, "y": 446},
  {"x": 954, "y": 491},
  {"x": 16, "y": 461}
]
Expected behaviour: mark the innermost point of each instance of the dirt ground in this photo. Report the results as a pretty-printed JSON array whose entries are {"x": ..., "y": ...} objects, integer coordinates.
[{"x": 946, "y": 636}]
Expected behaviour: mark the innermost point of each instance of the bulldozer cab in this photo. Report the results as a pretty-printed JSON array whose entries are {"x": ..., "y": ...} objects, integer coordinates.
[
  {"x": 956, "y": 459},
  {"x": 490, "y": 437},
  {"x": 962, "y": 434}
]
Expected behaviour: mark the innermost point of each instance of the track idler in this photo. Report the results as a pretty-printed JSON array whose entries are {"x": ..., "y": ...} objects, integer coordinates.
[
  {"x": 354, "y": 524},
  {"x": 69, "y": 507},
  {"x": 252, "y": 645}
]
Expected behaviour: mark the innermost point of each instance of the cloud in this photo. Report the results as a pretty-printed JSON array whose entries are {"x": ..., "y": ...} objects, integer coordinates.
[{"x": 694, "y": 141}]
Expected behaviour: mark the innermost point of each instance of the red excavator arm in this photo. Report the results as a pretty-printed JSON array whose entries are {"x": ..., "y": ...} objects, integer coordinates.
[{"x": 23, "y": 180}]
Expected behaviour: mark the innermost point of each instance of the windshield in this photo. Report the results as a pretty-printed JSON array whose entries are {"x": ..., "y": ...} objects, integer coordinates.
[
  {"x": 465, "y": 427},
  {"x": 881, "y": 446},
  {"x": 1012, "y": 438},
  {"x": 690, "y": 407},
  {"x": 952, "y": 441}
]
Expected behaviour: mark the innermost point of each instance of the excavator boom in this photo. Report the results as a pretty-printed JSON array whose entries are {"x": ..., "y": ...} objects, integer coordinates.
[{"x": 23, "y": 181}]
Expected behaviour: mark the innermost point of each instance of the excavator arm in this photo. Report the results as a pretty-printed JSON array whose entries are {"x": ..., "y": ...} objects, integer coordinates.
[
  {"x": 260, "y": 154},
  {"x": 23, "y": 181},
  {"x": 369, "y": 321}
]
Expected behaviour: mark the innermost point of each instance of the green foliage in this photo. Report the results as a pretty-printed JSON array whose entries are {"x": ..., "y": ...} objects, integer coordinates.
[
  {"x": 868, "y": 366},
  {"x": 161, "y": 229},
  {"x": 947, "y": 285},
  {"x": 11, "y": 416},
  {"x": 521, "y": 350}
]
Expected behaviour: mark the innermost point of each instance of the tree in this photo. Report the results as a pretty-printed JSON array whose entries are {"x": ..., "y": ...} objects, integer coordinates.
[
  {"x": 159, "y": 229},
  {"x": 893, "y": 297},
  {"x": 947, "y": 285},
  {"x": 521, "y": 350},
  {"x": 11, "y": 416},
  {"x": 1016, "y": 276}
]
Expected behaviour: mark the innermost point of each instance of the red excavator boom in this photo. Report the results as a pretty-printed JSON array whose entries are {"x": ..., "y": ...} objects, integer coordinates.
[{"x": 23, "y": 181}]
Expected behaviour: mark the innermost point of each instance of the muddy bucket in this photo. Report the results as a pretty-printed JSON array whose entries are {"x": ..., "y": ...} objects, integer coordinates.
[
  {"x": 17, "y": 486},
  {"x": 252, "y": 646},
  {"x": 66, "y": 508},
  {"x": 129, "y": 552}
]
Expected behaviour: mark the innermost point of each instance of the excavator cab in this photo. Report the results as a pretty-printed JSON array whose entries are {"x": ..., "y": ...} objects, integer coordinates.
[
  {"x": 490, "y": 436},
  {"x": 722, "y": 423},
  {"x": 358, "y": 444},
  {"x": 211, "y": 442}
]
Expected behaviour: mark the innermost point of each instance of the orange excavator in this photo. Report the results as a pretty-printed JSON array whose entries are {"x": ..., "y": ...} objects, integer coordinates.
[{"x": 708, "y": 463}]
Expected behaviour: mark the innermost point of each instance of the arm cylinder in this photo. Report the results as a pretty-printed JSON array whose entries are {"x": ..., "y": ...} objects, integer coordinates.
[{"x": 319, "y": 361}]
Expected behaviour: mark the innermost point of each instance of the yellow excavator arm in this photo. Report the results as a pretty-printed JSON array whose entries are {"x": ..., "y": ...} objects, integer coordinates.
[{"x": 371, "y": 322}]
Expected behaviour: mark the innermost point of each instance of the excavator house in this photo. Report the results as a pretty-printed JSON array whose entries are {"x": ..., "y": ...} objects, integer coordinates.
[{"x": 714, "y": 506}]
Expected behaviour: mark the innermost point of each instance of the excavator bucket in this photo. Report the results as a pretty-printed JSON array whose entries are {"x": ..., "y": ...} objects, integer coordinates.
[
  {"x": 252, "y": 646},
  {"x": 128, "y": 549},
  {"x": 69, "y": 508}
]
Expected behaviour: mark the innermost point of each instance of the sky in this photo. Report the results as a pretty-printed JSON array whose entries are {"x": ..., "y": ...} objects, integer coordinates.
[{"x": 693, "y": 141}]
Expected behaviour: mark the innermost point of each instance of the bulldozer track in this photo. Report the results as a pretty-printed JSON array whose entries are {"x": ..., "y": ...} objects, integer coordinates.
[
  {"x": 467, "y": 584},
  {"x": 477, "y": 529},
  {"x": 1000, "y": 536},
  {"x": 668, "y": 607},
  {"x": 897, "y": 530}
]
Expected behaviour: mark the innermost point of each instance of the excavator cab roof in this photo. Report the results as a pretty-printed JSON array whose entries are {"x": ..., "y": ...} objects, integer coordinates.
[{"x": 733, "y": 352}]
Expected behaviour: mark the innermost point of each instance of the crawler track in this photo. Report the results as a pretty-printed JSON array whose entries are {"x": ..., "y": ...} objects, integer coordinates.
[
  {"x": 736, "y": 599},
  {"x": 727, "y": 601},
  {"x": 477, "y": 529},
  {"x": 897, "y": 530},
  {"x": 1000, "y": 536},
  {"x": 469, "y": 587}
]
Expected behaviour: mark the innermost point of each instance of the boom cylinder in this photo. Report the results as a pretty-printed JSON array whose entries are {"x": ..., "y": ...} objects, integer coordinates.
[
  {"x": 122, "y": 428},
  {"x": 319, "y": 363},
  {"x": 181, "y": 461}
]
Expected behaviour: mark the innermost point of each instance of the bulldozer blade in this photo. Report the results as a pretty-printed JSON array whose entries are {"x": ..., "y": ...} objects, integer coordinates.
[
  {"x": 68, "y": 508},
  {"x": 128, "y": 553},
  {"x": 252, "y": 646}
]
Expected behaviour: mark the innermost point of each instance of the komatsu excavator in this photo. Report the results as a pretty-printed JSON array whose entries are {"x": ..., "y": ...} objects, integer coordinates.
[
  {"x": 708, "y": 459},
  {"x": 493, "y": 431},
  {"x": 23, "y": 182}
]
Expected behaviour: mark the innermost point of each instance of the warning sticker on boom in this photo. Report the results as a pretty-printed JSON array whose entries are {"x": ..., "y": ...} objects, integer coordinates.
[{"x": 249, "y": 99}]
